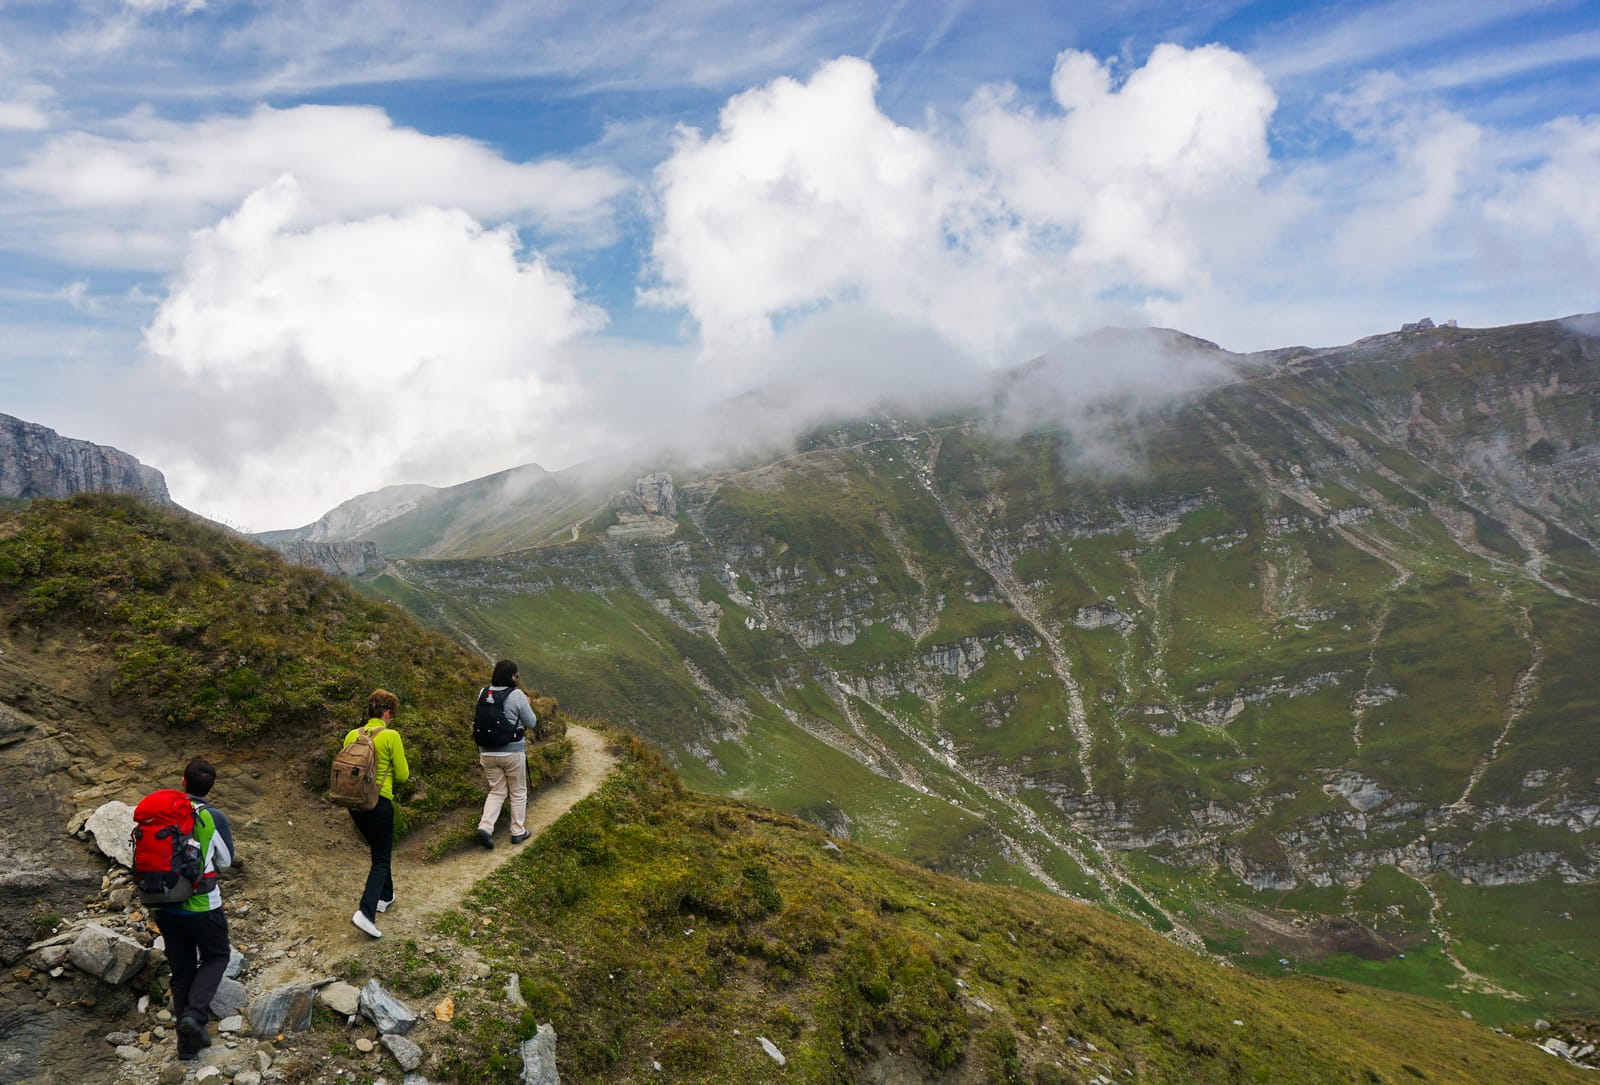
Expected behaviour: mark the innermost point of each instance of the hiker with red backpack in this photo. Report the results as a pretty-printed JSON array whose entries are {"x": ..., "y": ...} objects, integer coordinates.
[
  {"x": 180, "y": 841},
  {"x": 376, "y": 822}
]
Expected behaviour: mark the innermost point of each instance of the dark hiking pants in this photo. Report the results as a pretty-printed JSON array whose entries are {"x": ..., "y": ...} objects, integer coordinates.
[
  {"x": 376, "y": 827},
  {"x": 197, "y": 949}
]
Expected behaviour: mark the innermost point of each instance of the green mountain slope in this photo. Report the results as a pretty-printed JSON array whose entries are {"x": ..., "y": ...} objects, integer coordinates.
[
  {"x": 1311, "y": 646},
  {"x": 665, "y": 934},
  {"x": 658, "y": 927}
]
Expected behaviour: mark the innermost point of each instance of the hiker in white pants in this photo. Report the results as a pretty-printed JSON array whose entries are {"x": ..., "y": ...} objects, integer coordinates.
[{"x": 504, "y": 765}]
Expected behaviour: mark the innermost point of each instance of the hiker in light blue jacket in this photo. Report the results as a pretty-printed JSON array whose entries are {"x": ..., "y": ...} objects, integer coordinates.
[{"x": 506, "y": 766}]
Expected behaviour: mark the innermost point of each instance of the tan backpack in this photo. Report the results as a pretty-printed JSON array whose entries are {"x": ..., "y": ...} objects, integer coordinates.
[{"x": 353, "y": 782}]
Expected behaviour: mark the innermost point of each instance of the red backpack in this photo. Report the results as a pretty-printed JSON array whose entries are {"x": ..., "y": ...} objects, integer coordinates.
[{"x": 167, "y": 865}]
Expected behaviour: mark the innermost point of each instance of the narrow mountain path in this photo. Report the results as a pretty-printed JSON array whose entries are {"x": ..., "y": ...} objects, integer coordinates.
[
  {"x": 318, "y": 866},
  {"x": 1470, "y": 980}
]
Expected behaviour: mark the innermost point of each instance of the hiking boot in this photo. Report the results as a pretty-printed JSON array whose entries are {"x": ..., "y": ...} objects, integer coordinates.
[
  {"x": 187, "y": 1056},
  {"x": 383, "y": 905},
  {"x": 485, "y": 839},
  {"x": 360, "y": 919},
  {"x": 517, "y": 838},
  {"x": 193, "y": 1031}
]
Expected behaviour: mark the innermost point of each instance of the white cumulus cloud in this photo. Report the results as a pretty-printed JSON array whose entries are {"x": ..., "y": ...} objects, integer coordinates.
[
  {"x": 1000, "y": 230},
  {"x": 323, "y": 361}
]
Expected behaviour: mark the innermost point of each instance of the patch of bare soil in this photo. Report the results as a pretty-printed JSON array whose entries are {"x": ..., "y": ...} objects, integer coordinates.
[
  {"x": 307, "y": 867},
  {"x": 1300, "y": 938}
]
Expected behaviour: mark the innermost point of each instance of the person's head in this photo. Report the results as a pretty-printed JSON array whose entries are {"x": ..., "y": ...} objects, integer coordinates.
[
  {"x": 198, "y": 776},
  {"x": 382, "y": 701},
  {"x": 505, "y": 674}
]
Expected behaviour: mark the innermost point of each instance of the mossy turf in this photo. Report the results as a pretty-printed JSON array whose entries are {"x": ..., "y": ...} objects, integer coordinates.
[{"x": 663, "y": 932}]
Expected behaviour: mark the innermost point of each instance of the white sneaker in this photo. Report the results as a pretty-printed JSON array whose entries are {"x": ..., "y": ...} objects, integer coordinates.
[
  {"x": 366, "y": 924},
  {"x": 383, "y": 905}
]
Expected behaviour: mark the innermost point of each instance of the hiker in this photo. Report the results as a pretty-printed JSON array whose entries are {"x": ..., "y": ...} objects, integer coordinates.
[
  {"x": 376, "y": 825},
  {"x": 505, "y": 763},
  {"x": 194, "y": 932}
]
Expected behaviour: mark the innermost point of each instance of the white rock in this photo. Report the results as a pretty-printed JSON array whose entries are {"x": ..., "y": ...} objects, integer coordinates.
[
  {"x": 772, "y": 1050},
  {"x": 342, "y": 998},
  {"x": 539, "y": 1058},
  {"x": 112, "y": 828}
]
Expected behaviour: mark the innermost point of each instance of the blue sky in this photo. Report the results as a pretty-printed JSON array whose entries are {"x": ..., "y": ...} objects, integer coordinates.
[{"x": 291, "y": 252}]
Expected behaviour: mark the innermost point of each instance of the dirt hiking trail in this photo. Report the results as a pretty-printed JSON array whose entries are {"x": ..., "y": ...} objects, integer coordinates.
[
  {"x": 65, "y": 750},
  {"x": 307, "y": 869}
]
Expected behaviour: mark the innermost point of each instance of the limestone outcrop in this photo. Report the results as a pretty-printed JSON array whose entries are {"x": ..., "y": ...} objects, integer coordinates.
[{"x": 36, "y": 461}]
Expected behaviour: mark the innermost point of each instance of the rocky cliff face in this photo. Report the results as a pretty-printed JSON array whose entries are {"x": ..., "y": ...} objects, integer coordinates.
[
  {"x": 334, "y": 558},
  {"x": 38, "y": 462},
  {"x": 355, "y": 518}
]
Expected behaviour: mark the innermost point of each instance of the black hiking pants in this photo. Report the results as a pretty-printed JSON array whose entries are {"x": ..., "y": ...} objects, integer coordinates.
[
  {"x": 376, "y": 827},
  {"x": 198, "y": 951}
]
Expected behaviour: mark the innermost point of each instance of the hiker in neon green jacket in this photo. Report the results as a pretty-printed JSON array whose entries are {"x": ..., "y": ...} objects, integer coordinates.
[
  {"x": 194, "y": 934},
  {"x": 376, "y": 826}
]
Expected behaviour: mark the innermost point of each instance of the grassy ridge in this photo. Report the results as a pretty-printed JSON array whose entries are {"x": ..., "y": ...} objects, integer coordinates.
[
  {"x": 207, "y": 632},
  {"x": 662, "y": 931}
]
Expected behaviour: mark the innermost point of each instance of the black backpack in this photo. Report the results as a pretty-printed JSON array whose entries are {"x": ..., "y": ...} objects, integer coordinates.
[{"x": 490, "y": 728}]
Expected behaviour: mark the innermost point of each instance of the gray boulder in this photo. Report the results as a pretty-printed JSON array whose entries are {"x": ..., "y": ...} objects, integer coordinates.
[
  {"x": 107, "y": 955},
  {"x": 112, "y": 826},
  {"x": 539, "y": 1058},
  {"x": 406, "y": 1053},
  {"x": 282, "y": 1009},
  {"x": 231, "y": 998},
  {"x": 386, "y": 1011}
]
